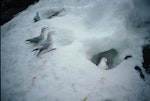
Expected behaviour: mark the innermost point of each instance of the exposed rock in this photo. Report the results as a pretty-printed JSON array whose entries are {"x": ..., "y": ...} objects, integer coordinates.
[
  {"x": 143, "y": 24},
  {"x": 11, "y": 7},
  {"x": 146, "y": 57},
  {"x": 140, "y": 72},
  {"x": 127, "y": 57}
]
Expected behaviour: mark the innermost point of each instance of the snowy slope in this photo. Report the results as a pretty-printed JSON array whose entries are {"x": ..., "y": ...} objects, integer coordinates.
[{"x": 67, "y": 73}]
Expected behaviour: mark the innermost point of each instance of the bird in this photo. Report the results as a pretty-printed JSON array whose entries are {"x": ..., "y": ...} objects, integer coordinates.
[
  {"x": 38, "y": 39},
  {"x": 37, "y": 17},
  {"x": 45, "y": 44},
  {"x": 103, "y": 63}
]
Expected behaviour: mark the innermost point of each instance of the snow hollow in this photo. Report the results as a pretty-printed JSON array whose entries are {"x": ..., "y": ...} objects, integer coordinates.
[{"x": 85, "y": 32}]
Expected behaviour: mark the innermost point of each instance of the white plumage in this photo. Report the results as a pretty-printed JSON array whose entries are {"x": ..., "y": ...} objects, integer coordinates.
[
  {"x": 45, "y": 44},
  {"x": 103, "y": 63},
  {"x": 38, "y": 39}
]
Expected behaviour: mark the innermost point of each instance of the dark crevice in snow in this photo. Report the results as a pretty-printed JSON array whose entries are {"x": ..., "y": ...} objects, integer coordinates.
[
  {"x": 111, "y": 56},
  {"x": 53, "y": 12},
  {"x": 127, "y": 57},
  {"x": 146, "y": 57},
  {"x": 140, "y": 72}
]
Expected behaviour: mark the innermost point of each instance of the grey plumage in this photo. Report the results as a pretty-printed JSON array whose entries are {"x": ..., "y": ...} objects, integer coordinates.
[
  {"x": 38, "y": 39},
  {"x": 37, "y": 17},
  {"x": 45, "y": 44}
]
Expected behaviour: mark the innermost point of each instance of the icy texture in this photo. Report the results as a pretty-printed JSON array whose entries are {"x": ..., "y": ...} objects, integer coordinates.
[{"x": 88, "y": 27}]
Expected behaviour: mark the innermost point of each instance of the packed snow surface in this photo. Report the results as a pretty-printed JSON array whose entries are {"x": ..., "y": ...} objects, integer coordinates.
[{"x": 86, "y": 28}]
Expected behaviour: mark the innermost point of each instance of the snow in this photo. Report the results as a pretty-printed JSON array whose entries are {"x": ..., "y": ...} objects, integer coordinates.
[{"x": 67, "y": 73}]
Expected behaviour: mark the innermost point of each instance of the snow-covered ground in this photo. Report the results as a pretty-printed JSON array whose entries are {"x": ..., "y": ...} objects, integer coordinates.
[{"x": 88, "y": 27}]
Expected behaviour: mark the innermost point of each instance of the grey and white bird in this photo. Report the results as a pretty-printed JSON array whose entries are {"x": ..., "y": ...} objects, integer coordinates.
[
  {"x": 45, "y": 44},
  {"x": 38, "y": 39},
  {"x": 37, "y": 17},
  {"x": 103, "y": 63}
]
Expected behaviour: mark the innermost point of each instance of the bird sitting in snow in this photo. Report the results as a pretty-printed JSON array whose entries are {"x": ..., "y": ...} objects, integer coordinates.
[
  {"x": 37, "y": 17},
  {"x": 45, "y": 44},
  {"x": 103, "y": 63},
  {"x": 38, "y": 39}
]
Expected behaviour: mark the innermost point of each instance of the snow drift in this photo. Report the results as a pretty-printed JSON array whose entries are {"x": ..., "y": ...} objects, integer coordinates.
[{"x": 87, "y": 28}]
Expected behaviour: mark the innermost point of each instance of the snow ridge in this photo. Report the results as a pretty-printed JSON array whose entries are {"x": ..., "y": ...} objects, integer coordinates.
[{"x": 86, "y": 28}]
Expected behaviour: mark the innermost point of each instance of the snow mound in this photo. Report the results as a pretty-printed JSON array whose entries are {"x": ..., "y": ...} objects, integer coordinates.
[{"x": 89, "y": 29}]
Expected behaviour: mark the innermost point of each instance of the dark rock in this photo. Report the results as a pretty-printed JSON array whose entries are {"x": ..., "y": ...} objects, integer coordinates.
[
  {"x": 140, "y": 72},
  {"x": 146, "y": 57},
  {"x": 142, "y": 76},
  {"x": 9, "y": 8},
  {"x": 138, "y": 69},
  {"x": 148, "y": 70},
  {"x": 128, "y": 56},
  {"x": 143, "y": 24}
]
